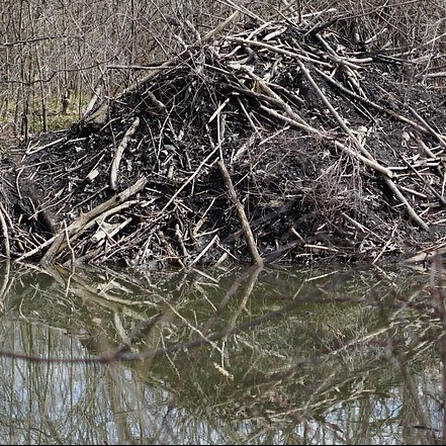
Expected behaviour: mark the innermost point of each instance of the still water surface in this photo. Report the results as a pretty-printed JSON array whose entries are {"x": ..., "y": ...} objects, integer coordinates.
[{"x": 271, "y": 356}]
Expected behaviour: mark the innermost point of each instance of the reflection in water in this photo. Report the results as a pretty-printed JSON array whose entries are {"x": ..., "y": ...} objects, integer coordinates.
[{"x": 256, "y": 356}]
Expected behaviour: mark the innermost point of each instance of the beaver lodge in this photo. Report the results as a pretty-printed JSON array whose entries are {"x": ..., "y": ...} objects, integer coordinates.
[{"x": 281, "y": 141}]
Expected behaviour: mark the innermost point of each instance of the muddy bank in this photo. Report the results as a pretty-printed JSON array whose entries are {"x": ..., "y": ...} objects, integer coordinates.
[{"x": 283, "y": 140}]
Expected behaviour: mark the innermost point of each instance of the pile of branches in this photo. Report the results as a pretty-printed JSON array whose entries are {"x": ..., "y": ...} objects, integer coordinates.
[{"x": 280, "y": 141}]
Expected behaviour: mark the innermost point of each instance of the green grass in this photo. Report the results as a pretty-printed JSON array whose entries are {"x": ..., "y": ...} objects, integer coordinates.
[{"x": 55, "y": 119}]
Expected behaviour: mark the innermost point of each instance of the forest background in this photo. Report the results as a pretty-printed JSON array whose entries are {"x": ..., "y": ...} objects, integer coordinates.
[{"x": 56, "y": 55}]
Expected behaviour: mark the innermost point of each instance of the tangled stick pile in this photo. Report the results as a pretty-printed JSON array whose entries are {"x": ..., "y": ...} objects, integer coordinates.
[{"x": 280, "y": 141}]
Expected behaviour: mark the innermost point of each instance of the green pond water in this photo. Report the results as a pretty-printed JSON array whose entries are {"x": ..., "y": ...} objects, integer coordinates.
[{"x": 270, "y": 356}]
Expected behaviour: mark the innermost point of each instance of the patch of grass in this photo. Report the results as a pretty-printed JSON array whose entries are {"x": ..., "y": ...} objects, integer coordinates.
[
  {"x": 56, "y": 120},
  {"x": 59, "y": 121}
]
